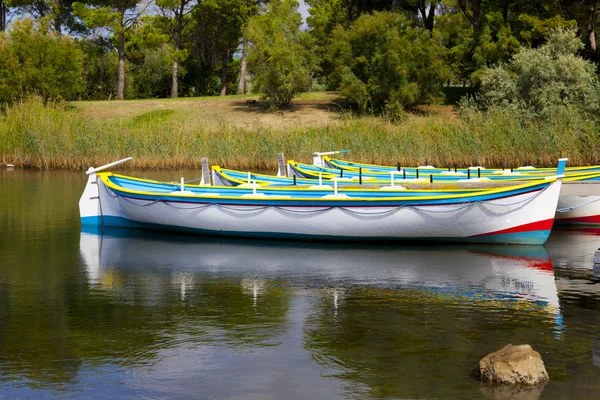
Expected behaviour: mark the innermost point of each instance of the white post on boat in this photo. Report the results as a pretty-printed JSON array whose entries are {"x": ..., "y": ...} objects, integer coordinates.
[
  {"x": 281, "y": 170},
  {"x": 249, "y": 176},
  {"x": 318, "y": 161},
  {"x": 392, "y": 185},
  {"x": 253, "y": 187},
  {"x": 182, "y": 184},
  {"x": 205, "y": 172}
]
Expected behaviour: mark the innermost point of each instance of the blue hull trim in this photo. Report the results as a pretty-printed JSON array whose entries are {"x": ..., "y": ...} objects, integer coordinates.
[{"x": 522, "y": 238}]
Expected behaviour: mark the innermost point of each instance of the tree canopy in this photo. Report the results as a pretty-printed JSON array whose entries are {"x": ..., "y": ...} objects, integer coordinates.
[
  {"x": 384, "y": 63},
  {"x": 281, "y": 55},
  {"x": 35, "y": 60},
  {"x": 385, "y": 56}
]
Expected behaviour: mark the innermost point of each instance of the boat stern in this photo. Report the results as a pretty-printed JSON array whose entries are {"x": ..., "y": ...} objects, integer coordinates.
[{"x": 90, "y": 211}]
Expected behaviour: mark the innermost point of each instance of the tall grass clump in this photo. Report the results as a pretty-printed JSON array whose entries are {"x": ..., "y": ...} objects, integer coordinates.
[{"x": 51, "y": 135}]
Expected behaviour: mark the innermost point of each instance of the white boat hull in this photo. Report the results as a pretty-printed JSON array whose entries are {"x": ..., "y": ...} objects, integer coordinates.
[
  {"x": 520, "y": 219},
  {"x": 582, "y": 210}
]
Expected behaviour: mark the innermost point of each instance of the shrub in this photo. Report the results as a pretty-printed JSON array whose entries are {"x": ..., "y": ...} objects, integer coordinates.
[
  {"x": 280, "y": 53},
  {"x": 386, "y": 64},
  {"x": 544, "y": 79},
  {"x": 33, "y": 59}
]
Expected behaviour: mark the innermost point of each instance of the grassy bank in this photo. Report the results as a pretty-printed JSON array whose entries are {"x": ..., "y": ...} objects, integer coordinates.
[{"x": 164, "y": 134}]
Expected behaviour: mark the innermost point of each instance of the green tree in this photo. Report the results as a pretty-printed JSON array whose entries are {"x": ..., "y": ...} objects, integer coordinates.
[
  {"x": 542, "y": 79},
  {"x": 151, "y": 57},
  {"x": 60, "y": 13},
  {"x": 100, "y": 69},
  {"x": 216, "y": 33},
  {"x": 228, "y": 21},
  {"x": 36, "y": 60},
  {"x": 482, "y": 33},
  {"x": 3, "y": 12},
  {"x": 248, "y": 8},
  {"x": 385, "y": 64},
  {"x": 10, "y": 70},
  {"x": 118, "y": 16},
  {"x": 281, "y": 55},
  {"x": 177, "y": 15}
]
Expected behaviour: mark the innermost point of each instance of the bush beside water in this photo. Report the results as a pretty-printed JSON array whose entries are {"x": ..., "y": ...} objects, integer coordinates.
[{"x": 54, "y": 136}]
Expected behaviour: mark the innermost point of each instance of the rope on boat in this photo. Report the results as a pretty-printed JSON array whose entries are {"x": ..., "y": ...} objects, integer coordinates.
[
  {"x": 193, "y": 180},
  {"x": 571, "y": 208}
]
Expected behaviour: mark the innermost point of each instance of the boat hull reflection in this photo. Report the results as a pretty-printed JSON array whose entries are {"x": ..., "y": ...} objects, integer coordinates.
[{"x": 512, "y": 272}]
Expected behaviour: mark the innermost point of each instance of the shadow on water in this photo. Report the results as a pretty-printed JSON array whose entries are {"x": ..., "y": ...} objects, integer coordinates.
[{"x": 130, "y": 313}]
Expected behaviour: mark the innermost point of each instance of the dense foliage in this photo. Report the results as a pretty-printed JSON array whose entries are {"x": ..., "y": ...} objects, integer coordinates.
[
  {"x": 384, "y": 55},
  {"x": 384, "y": 63},
  {"x": 544, "y": 79},
  {"x": 280, "y": 54},
  {"x": 35, "y": 60}
]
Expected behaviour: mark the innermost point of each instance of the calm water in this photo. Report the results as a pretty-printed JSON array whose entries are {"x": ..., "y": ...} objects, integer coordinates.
[{"x": 149, "y": 315}]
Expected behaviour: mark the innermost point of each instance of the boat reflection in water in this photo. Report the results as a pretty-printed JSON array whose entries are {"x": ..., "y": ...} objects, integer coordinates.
[
  {"x": 345, "y": 320},
  {"x": 574, "y": 248},
  {"x": 522, "y": 273},
  {"x": 572, "y": 251}
]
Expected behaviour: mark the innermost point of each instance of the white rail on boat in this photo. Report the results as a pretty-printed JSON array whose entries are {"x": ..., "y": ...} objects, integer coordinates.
[{"x": 112, "y": 164}]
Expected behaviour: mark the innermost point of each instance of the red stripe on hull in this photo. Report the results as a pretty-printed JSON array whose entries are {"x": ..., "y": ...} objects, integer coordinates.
[
  {"x": 545, "y": 225},
  {"x": 592, "y": 219}
]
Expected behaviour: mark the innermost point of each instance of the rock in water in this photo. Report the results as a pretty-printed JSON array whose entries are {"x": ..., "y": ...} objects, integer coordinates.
[{"x": 513, "y": 365}]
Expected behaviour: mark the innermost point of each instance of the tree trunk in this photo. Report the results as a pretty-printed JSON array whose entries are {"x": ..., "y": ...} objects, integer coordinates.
[
  {"x": 242, "y": 82},
  {"x": 473, "y": 15},
  {"x": 2, "y": 16},
  {"x": 592, "y": 31},
  {"x": 121, "y": 51},
  {"x": 427, "y": 14},
  {"x": 349, "y": 13},
  {"x": 224, "y": 62},
  {"x": 175, "y": 75},
  {"x": 395, "y": 5},
  {"x": 174, "y": 80},
  {"x": 56, "y": 8}
]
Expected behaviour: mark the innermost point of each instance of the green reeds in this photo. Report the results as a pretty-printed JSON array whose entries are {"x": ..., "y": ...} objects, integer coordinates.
[{"x": 53, "y": 136}]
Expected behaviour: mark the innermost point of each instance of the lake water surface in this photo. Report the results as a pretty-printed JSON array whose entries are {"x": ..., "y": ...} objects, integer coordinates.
[{"x": 136, "y": 314}]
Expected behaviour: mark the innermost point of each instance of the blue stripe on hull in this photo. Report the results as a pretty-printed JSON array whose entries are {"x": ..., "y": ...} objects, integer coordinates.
[{"x": 526, "y": 238}]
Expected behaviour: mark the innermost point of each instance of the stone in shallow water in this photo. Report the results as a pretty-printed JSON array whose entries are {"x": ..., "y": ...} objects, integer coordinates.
[{"x": 513, "y": 365}]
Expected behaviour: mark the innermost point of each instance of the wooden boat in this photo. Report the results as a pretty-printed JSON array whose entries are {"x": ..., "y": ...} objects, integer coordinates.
[
  {"x": 578, "y": 203},
  {"x": 306, "y": 174},
  {"x": 521, "y": 214},
  {"x": 578, "y": 207},
  {"x": 302, "y": 170},
  {"x": 323, "y": 160}
]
